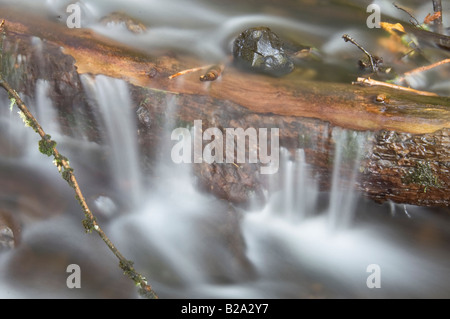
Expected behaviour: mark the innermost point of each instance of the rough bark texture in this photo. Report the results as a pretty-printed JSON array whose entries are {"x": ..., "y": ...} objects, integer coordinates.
[{"x": 409, "y": 156}]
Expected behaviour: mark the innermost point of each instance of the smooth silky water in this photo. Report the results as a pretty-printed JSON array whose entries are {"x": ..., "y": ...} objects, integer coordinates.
[{"x": 303, "y": 243}]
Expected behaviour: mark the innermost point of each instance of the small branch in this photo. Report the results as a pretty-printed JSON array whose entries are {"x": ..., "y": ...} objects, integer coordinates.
[
  {"x": 371, "y": 82},
  {"x": 423, "y": 69},
  {"x": 413, "y": 20},
  {"x": 2, "y": 36},
  {"x": 372, "y": 60},
  {"x": 190, "y": 71},
  {"x": 48, "y": 147}
]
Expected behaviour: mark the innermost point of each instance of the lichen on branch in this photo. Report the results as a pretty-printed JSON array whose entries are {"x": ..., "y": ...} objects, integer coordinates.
[{"x": 47, "y": 146}]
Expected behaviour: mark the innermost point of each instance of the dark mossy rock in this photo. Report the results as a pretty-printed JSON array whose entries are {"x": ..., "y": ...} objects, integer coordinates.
[{"x": 260, "y": 49}]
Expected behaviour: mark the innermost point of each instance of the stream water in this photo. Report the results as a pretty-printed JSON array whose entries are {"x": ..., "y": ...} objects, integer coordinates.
[{"x": 304, "y": 243}]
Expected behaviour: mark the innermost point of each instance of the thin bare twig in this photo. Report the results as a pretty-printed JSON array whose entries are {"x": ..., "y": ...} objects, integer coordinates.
[
  {"x": 373, "y": 63},
  {"x": 423, "y": 69},
  {"x": 370, "y": 82},
  {"x": 413, "y": 20},
  {"x": 187, "y": 71}
]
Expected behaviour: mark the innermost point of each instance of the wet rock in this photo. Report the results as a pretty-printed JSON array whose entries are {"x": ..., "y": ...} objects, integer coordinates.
[
  {"x": 409, "y": 168},
  {"x": 222, "y": 230},
  {"x": 120, "y": 18},
  {"x": 6, "y": 238},
  {"x": 260, "y": 49},
  {"x": 27, "y": 63},
  {"x": 9, "y": 231},
  {"x": 144, "y": 116},
  {"x": 235, "y": 183}
]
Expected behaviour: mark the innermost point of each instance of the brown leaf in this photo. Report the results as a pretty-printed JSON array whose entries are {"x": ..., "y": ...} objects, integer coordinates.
[
  {"x": 393, "y": 28},
  {"x": 431, "y": 17}
]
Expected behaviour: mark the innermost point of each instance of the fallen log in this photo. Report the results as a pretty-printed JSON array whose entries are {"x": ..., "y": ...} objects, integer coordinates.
[{"x": 408, "y": 161}]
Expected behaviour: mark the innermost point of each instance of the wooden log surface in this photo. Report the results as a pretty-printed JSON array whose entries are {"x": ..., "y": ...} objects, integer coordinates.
[
  {"x": 339, "y": 104},
  {"x": 410, "y": 132}
]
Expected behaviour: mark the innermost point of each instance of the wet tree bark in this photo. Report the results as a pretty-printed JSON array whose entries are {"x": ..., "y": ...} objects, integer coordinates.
[{"x": 407, "y": 161}]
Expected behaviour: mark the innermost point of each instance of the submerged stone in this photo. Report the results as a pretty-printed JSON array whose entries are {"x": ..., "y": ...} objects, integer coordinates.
[
  {"x": 9, "y": 231},
  {"x": 120, "y": 18},
  {"x": 144, "y": 116},
  {"x": 6, "y": 238},
  {"x": 261, "y": 50}
]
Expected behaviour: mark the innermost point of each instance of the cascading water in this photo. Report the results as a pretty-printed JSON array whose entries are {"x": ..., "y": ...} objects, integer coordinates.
[
  {"x": 117, "y": 121},
  {"x": 287, "y": 249},
  {"x": 304, "y": 242},
  {"x": 298, "y": 200},
  {"x": 331, "y": 252},
  {"x": 294, "y": 247},
  {"x": 347, "y": 154}
]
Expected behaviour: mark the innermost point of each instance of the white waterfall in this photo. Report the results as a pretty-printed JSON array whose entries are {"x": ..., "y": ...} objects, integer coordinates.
[
  {"x": 116, "y": 117},
  {"x": 349, "y": 146}
]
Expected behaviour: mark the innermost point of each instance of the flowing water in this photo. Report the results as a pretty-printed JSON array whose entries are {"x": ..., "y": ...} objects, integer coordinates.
[{"x": 304, "y": 243}]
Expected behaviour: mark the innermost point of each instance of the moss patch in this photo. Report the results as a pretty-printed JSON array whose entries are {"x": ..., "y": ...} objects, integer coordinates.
[
  {"x": 47, "y": 145},
  {"x": 422, "y": 174}
]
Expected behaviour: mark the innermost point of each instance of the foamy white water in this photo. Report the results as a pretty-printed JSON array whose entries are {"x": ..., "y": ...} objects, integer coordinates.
[
  {"x": 116, "y": 117},
  {"x": 303, "y": 243}
]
